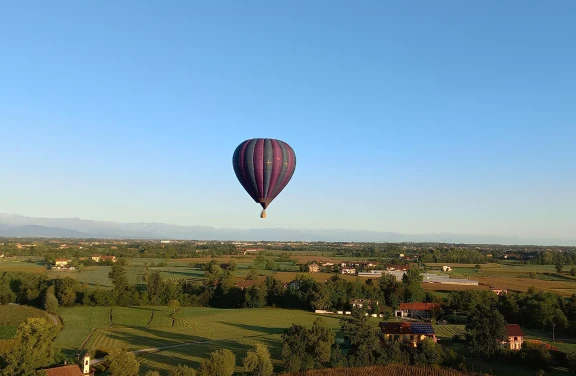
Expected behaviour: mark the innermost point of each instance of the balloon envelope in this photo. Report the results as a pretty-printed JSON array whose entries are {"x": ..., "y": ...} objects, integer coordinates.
[{"x": 264, "y": 166}]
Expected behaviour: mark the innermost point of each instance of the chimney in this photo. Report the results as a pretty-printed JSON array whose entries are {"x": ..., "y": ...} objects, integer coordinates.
[{"x": 86, "y": 364}]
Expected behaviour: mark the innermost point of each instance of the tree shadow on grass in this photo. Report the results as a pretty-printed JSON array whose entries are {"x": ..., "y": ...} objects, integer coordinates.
[
  {"x": 143, "y": 337},
  {"x": 192, "y": 355},
  {"x": 255, "y": 328}
]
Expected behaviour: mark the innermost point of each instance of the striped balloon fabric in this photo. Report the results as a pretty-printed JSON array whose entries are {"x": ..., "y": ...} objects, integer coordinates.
[{"x": 264, "y": 167}]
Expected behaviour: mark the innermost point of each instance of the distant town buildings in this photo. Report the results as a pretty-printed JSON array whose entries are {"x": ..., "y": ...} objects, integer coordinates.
[
  {"x": 313, "y": 268},
  {"x": 108, "y": 258},
  {"x": 61, "y": 262}
]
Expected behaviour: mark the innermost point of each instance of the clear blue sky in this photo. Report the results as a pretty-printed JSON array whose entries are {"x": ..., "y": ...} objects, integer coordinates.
[{"x": 409, "y": 116}]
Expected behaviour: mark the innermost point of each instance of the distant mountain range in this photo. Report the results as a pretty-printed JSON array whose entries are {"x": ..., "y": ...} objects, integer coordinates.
[{"x": 20, "y": 226}]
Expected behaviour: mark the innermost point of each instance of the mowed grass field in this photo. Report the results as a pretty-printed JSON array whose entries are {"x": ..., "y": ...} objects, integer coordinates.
[
  {"x": 195, "y": 332},
  {"x": 448, "y": 331},
  {"x": 91, "y": 275}
]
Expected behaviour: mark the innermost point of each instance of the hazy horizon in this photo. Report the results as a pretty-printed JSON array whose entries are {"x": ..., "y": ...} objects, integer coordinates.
[
  {"x": 412, "y": 118},
  {"x": 23, "y": 226}
]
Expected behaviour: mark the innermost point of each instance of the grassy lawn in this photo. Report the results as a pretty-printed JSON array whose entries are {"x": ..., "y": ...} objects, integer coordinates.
[
  {"x": 202, "y": 330},
  {"x": 132, "y": 316},
  {"x": 90, "y": 275},
  {"x": 78, "y": 323},
  {"x": 562, "y": 342}
]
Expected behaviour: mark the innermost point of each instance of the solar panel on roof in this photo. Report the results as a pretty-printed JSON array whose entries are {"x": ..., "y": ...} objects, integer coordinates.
[{"x": 421, "y": 328}]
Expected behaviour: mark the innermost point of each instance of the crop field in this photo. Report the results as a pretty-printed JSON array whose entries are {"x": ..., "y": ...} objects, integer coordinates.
[
  {"x": 90, "y": 275},
  {"x": 19, "y": 264},
  {"x": 563, "y": 288},
  {"x": 13, "y": 315},
  {"x": 388, "y": 370},
  {"x": 197, "y": 331}
]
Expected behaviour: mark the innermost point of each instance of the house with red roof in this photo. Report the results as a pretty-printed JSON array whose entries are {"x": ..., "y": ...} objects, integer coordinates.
[
  {"x": 515, "y": 336},
  {"x": 108, "y": 258},
  {"x": 245, "y": 283},
  {"x": 418, "y": 309},
  {"x": 410, "y": 333},
  {"x": 72, "y": 369}
]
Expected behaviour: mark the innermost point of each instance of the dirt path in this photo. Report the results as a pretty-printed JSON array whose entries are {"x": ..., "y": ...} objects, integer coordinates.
[{"x": 55, "y": 319}]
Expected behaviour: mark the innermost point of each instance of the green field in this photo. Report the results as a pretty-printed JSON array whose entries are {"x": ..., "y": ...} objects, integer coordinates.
[
  {"x": 78, "y": 323},
  {"x": 448, "y": 331},
  {"x": 91, "y": 275},
  {"x": 197, "y": 330},
  {"x": 505, "y": 270},
  {"x": 98, "y": 275},
  {"x": 20, "y": 264}
]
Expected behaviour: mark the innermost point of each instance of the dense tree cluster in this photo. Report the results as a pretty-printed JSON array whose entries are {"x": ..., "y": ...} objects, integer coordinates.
[
  {"x": 533, "y": 309},
  {"x": 311, "y": 348}
]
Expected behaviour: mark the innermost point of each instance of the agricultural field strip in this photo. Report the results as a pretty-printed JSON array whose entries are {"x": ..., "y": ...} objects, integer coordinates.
[
  {"x": 449, "y": 330},
  {"x": 201, "y": 323},
  {"x": 161, "y": 348}
]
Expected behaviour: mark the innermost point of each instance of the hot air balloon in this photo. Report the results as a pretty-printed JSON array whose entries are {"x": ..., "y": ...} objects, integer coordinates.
[{"x": 264, "y": 166}]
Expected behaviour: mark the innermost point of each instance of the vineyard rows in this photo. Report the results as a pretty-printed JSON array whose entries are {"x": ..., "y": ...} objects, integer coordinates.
[{"x": 389, "y": 370}]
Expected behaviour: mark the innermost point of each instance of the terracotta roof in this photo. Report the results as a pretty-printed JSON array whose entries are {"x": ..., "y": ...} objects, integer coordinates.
[
  {"x": 406, "y": 328},
  {"x": 72, "y": 370},
  {"x": 245, "y": 283},
  {"x": 398, "y": 267},
  {"x": 420, "y": 306},
  {"x": 514, "y": 330}
]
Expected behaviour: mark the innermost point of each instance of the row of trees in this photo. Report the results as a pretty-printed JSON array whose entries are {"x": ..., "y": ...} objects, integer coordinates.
[{"x": 219, "y": 289}]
